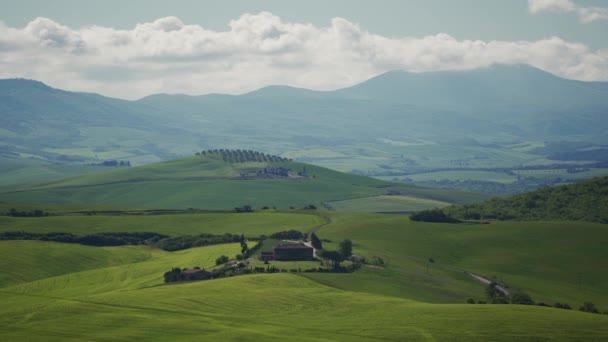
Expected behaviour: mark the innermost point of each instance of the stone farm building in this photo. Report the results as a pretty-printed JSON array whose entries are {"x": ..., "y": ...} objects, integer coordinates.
[{"x": 288, "y": 252}]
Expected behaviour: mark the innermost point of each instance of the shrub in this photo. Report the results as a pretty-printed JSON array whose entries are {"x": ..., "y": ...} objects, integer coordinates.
[
  {"x": 221, "y": 260},
  {"x": 470, "y": 301},
  {"x": 433, "y": 215},
  {"x": 173, "y": 276},
  {"x": 522, "y": 298},
  {"x": 589, "y": 307}
]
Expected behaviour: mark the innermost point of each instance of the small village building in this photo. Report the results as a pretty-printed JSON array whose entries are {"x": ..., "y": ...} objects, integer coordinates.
[
  {"x": 293, "y": 252},
  {"x": 196, "y": 274}
]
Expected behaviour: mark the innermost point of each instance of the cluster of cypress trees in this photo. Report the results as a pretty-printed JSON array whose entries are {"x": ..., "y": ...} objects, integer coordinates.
[{"x": 242, "y": 156}]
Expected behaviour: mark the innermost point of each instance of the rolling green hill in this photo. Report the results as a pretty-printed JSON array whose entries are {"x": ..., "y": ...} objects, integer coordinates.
[
  {"x": 209, "y": 182},
  {"x": 119, "y": 293},
  {"x": 250, "y": 224},
  {"x": 553, "y": 261},
  {"x": 585, "y": 201},
  {"x": 273, "y": 306}
]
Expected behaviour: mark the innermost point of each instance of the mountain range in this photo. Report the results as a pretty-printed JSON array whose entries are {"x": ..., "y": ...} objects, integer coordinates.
[{"x": 433, "y": 119}]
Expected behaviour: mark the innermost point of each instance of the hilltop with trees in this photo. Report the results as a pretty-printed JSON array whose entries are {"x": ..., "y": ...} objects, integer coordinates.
[
  {"x": 243, "y": 156},
  {"x": 585, "y": 201}
]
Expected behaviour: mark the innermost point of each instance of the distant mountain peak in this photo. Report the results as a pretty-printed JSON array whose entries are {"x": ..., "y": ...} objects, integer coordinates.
[{"x": 22, "y": 83}]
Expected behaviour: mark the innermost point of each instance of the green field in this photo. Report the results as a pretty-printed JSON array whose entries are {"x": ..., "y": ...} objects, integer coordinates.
[
  {"x": 15, "y": 171},
  {"x": 250, "y": 224},
  {"x": 117, "y": 293},
  {"x": 386, "y": 204},
  {"x": 26, "y": 261},
  {"x": 53, "y": 291},
  {"x": 124, "y": 302},
  {"x": 562, "y": 173},
  {"x": 212, "y": 184},
  {"x": 553, "y": 261},
  {"x": 486, "y": 176}
]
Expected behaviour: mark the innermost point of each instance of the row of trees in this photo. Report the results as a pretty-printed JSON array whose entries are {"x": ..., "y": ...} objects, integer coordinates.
[
  {"x": 114, "y": 163},
  {"x": 495, "y": 296},
  {"x": 433, "y": 215},
  {"x": 151, "y": 239},
  {"x": 98, "y": 239},
  {"x": 189, "y": 241},
  {"x": 32, "y": 213},
  {"x": 243, "y": 156},
  {"x": 244, "y": 209},
  {"x": 334, "y": 258}
]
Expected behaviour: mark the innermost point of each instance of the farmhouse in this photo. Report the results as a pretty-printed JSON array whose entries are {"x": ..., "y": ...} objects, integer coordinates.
[
  {"x": 196, "y": 274},
  {"x": 272, "y": 171},
  {"x": 292, "y": 252}
]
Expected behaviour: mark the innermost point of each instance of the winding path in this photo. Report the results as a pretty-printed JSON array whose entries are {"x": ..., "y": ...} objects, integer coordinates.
[
  {"x": 315, "y": 229},
  {"x": 488, "y": 282}
]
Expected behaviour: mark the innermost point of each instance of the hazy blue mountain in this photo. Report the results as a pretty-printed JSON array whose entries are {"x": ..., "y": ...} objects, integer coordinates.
[
  {"x": 459, "y": 117},
  {"x": 41, "y": 120},
  {"x": 518, "y": 100}
]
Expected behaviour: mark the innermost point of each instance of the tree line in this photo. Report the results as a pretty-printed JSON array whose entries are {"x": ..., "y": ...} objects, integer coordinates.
[
  {"x": 32, "y": 213},
  {"x": 97, "y": 239},
  {"x": 157, "y": 240},
  {"x": 114, "y": 163},
  {"x": 584, "y": 201},
  {"x": 495, "y": 296},
  {"x": 243, "y": 156}
]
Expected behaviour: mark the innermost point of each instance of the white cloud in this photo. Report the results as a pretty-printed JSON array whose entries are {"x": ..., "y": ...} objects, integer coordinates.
[
  {"x": 590, "y": 14},
  {"x": 585, "y": 14},
  {"x": 535, "y": 6},
  {"x": 170, "y": 56}
]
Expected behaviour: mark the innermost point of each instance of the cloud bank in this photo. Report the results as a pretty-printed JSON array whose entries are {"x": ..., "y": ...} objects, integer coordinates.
[
  {"x": 170, "y": 56},
  {"x": 585, "y": 14}
]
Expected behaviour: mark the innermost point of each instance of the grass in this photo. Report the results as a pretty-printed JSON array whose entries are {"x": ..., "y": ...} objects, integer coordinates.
[
  {"x": 486, "y": 176},
  {"x": 553, "y": 261},
  {"x": 55, "y": 291},
  {"x": 210, "y": 183},
  {"x": 562, "y": 173},
  {"x": 126, "y": 276},
  {"x": 262, "y": 307},
  {"x": 26, "y": 261},
  {"x": 15, "y": 171},
  {"x": 386, "y": 204},
  {"x": 250, "y": 224}
]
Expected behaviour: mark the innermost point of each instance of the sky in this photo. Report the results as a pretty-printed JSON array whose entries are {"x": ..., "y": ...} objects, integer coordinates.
[{"x": 130, "y": 49}]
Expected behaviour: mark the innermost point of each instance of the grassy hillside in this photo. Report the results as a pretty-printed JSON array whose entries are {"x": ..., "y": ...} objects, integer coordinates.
[
  {"x": 553, "y": 261},
  {"x": 208, "y": 182},
  {"x": 384, "y": 204},
  {"x": 26, "y": 261},
  {"x": 124, "y": 302},
  {"x": 585, "y": 201},
  {"x": 250, "y": 224},
  {"x": 21, "y": 170}
]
